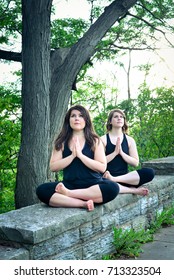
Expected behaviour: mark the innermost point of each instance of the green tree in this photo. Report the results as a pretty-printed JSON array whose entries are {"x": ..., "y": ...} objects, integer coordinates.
[
  {"x": 10, "y": 126},
  {"x": 153, "y": 123}
]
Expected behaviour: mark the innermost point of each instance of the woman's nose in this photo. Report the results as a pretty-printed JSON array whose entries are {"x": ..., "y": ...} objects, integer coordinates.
[{"x": 77, "y": 118}]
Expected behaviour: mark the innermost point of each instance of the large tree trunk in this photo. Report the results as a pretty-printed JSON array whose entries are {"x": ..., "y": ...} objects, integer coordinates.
[
  {"x": 42, "y": 117},
  {"x": 33, "y": 157}
]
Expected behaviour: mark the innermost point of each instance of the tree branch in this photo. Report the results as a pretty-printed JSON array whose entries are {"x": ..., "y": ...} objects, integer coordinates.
[
  {"x": 85, "y": 47},
  {"x": 12, "y": 56},
  {"x": 147, "y": 10},
  {"x": 153, "y": 27},
  {"x": 80, "y": 53},
  {"x": 126, "y": 48}
]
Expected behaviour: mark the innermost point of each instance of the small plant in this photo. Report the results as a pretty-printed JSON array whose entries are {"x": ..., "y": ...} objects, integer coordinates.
[
  {"x": 165, "y": 218},
  {"x": 128, "y": 242}
]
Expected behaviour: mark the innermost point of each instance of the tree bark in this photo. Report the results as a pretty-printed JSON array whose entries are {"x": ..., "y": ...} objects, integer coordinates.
[
  {"x": 13, "y": 56},
  {"x": 33, "y": 156}
]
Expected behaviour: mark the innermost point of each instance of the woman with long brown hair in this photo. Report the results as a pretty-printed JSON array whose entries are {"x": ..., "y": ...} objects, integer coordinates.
[
  {"x": 121, "y": 151},
  {"x": 79, "y": 152}
]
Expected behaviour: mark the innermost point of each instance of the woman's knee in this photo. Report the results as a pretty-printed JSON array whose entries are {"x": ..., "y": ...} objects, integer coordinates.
[
  {"x": 39, "y": 191},
  {"x": 146, "y": 175},
  {"x": 115, "y": 189},
  {"x": 45, "y": 191},
  {"x": 109, "y": 191},
  {"x": 149, "y": 173}
]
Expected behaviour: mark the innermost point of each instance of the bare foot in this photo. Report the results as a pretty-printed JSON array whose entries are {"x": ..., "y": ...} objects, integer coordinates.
[
  {"x": 141, "y": 191},
  {"x": 107, "y": 175},
  {"x": 60, "y": 188},
  {"x": 90, "y": 205}
]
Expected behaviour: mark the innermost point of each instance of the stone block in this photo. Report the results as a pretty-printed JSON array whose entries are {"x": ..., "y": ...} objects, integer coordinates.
[
  {"x": 129, "y": 212},
  {"x": 98, "y": 247},
  {"x": 162, "y": 166},
  {"x": 11, "y": 253}
]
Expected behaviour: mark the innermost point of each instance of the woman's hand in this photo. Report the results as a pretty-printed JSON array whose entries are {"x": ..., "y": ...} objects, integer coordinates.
[
  {"x": 57, "y": 162},
  {"x": 77, "y": 149},
  {"x": 73, "y": 148},
  {"x": 132, "y": 158},
  {"x": 98, "y": 163},
  {"x": 118, "y": 148}
]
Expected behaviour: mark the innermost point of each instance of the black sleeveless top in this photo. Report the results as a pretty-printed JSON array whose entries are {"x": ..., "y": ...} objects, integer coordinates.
[
  {"x": 77, "y": 172},
  {"x": 117, "y": 166}
]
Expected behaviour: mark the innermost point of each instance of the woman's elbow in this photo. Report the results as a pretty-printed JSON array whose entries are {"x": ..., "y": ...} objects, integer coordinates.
[
  {"x": 103, "y": 168},
  {"x": 136, "y": 163},
  {"x": 52, "y": 167}
]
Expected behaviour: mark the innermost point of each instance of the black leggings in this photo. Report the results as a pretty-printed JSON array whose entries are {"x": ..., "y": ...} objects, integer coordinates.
[
  {"x": 146, "y": 175},
  {"x": 108, "y": 189}
]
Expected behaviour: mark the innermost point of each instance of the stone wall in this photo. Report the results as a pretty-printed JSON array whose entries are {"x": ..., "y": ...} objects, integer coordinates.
[{"x": 39, "y": 232}]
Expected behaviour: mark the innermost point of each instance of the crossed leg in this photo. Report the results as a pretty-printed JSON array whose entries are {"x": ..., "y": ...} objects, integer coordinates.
[
  {"x": 131, "y": 178},
  {"x": 132, "y": 190},
  {"x": 60, "y": 200},
  {"x": 79, "y": 198},
  {"x": 92, "y": 193}
]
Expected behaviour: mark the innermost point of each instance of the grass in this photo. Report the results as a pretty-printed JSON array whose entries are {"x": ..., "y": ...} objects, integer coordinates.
[{"x": 128, "y": 243}]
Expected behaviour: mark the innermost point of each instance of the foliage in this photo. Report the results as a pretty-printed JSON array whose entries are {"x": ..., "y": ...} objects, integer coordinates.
[
  {"x": 165, "y": 218},
  {"x": 7, "y": 194},
  {"x": 135, "y": 31},
  {"x": 10, "y": 103},
  {"x": 10, "y": 20},
  {"x": 141, "y": 29},
  {"x": 150, "y": 116},
  {"x": 66, "y": 32},
  {"x": 96, "y": 96},
  {"x": 150, "y": 119},
  {"x": 128, "y": 243},
  {"x": 153, "y": 122}
]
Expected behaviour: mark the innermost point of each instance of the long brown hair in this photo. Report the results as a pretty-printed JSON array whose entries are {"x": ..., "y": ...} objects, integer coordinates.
[
  {"x": 66, "y": 132},
  {"x": 109, "y": 125}
]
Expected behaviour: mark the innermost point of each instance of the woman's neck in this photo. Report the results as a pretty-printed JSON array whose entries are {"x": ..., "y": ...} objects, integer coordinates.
[
  {"x": 116, "y": 132},
  {"x": 79, "y": 134}
]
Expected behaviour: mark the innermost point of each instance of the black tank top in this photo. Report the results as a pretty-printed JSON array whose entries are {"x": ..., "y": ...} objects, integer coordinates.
[
  {"x": 77, "y": 173},
  {"x": 117, "y": 166}
]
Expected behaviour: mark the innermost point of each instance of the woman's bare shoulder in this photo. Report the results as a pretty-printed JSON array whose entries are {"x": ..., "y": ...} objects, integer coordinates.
[
  {"x": 103, "y": 139},
  {"x": 130, "y": 139}
]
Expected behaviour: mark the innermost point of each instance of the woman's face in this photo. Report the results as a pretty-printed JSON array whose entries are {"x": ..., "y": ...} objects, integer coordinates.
[
  {"x": 76, "y": 120},
  {"x": 117, "y": 120}
]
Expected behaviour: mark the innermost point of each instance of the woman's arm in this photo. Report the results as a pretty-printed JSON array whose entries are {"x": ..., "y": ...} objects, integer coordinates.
[
  {"x": 132, "y": 158},
  {"x": 112, "y": 155},
  {"x": 57, "y": 162}
]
